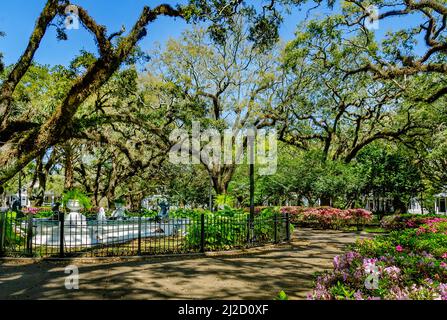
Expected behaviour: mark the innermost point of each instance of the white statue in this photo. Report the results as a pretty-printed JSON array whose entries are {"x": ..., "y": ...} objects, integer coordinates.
[
  {"x": 101, "y": 216},
  {"x": 74, "y": 217},
  {"x": 119, "y": 212}
]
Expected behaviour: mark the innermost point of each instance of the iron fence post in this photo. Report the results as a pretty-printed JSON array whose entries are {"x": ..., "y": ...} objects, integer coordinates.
[
  {"x": 202, "y": 233},
  {"x": 29, "y": 235},
  {"x": 275, "y": 224},
  {"x": 61, "y": 234},
  {"x": 2, "y": 232},
  {"x": 287, "y": 226},
  {"x": 139, "y": 236},
  {"x": 248, "y": 229}
]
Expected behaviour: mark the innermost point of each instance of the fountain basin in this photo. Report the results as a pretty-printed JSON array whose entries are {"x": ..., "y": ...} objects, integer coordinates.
[{"x": 88, "y": 233}]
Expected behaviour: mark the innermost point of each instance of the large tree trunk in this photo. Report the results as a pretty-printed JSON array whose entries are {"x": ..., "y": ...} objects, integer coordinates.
[
  {"x": 135, "y": 201},
  {"x": 96, "y": 186},
  {"x": 42, "y": 177},
  {"x": 69, "y": 169},
  {"x": 399, "y": 206},
  {"x": 110, "y": 194},
  {"x": 24, "y": 146},
  {"x": 221, "y": 178},
  {"x": 35, "y": 176}
]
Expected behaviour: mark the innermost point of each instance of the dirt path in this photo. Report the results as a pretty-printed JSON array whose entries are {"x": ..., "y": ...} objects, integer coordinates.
[{"x": 260, "y": 274}]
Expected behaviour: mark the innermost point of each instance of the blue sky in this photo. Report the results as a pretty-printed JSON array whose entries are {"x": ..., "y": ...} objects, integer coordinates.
[{"x": 17, "y": 19}]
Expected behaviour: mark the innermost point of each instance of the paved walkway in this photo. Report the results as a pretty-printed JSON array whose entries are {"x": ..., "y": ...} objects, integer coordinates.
[{"x": 260, "y": 274}]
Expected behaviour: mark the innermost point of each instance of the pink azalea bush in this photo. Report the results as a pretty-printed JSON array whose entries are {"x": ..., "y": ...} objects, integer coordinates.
[
  {"x": 408, "y": 264},
  {"x": 31, "y": 210},
  {"x": 328, "y": 217},
  {"x": 352, "y": 273},
  {"x": 38, "y": 212},
  {"x": 404, "y": 221}
]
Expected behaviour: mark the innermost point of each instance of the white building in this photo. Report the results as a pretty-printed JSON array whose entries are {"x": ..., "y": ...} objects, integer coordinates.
[
  {"x": 440, "y": 203},
  {"x": 11, "y": 197},
  {"x": 380, "y": 204},
  {"x": 415, "y": 207},
  {"x": 50, "y": 198}
]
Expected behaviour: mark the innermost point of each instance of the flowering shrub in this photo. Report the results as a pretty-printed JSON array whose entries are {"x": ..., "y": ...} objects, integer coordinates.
[
  {"x": 31, "y": 210},
  {"x": 407, "y": 264},
  {"x": 327, "y": 217},
  {"x": 404, "y": 221},
  {"x": 39, "y": 212}
]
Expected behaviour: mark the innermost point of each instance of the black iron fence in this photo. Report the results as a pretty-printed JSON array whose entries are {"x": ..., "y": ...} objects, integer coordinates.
[{"x": 76, "y": 235}]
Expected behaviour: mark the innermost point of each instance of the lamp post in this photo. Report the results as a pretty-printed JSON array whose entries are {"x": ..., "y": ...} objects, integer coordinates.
[
  {"x": 210, "y": 195},
  {"x": 251, "y": 145},
  {"x": 20, "y": 190}
]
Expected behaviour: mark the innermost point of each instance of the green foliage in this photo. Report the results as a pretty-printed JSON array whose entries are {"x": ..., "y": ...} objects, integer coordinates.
[
  {"x": 303, "y": 175},
  {"x": 13, "y": 230},
  {"x": 149, "y": 213},
  {"x": 434, "y": 243},
  {"x": 264, "y": 225},
  {"x": 44, "y": 214},
  {"x": 389, "y": 174},
  {"x": 403, "y": 221},
  {"x": 120, "y": 200},
  {"x": 185, "y": 213},
  {"x": 76, "y": 194},
  {"x": 228, "y": 228},
  {"x": 142, "y": 213},
  {"x": 406, "y": 264},
  {"x": 222, "y": 200},
  {"x": 282, "y": 296}
]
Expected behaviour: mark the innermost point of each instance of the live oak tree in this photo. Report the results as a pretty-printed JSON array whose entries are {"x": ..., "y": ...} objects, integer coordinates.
[
  {"x": 2, "y": 66},
  {"x": 319, "y": 105},
  {"x": 225, "y": 85},
  {"x": 415, "y": 47},
  {"x": 24, "y": 139},
  {"x": 390, "y": 172},
  {"x": 122, "y": 135}
]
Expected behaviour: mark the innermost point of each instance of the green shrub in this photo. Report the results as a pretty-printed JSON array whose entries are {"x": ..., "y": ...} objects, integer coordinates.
[
  {"x": 13, "y": 231},
  {"x": 264, "y": 226},
  {"x": 146, "y": 213},
  {"x": 406, "y": 264},
  {"x": 75, "y": 194},
  {"x": 228, "y": 228},
  {"x": 149, "y": 213},
  {"x": 183, "y": 213},
  {"x": 403, "y": 221},
  {"x": 224, "y": 200},
  {"x": 328, "y": 217},
  {"x": 282, "y": 296},
  {"x": 221, "y": 231},
  {"x": 44, "y": 214}
]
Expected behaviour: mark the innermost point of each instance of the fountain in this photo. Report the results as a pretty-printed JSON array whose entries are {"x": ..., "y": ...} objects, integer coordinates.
[
  {"x": 119, "y": 213},
  {"x": 75, "y": 225},
  {"x": 101, "y": 216},
  {"x": 74, "y": 217},
  {"x": 80, "y": 233}
]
